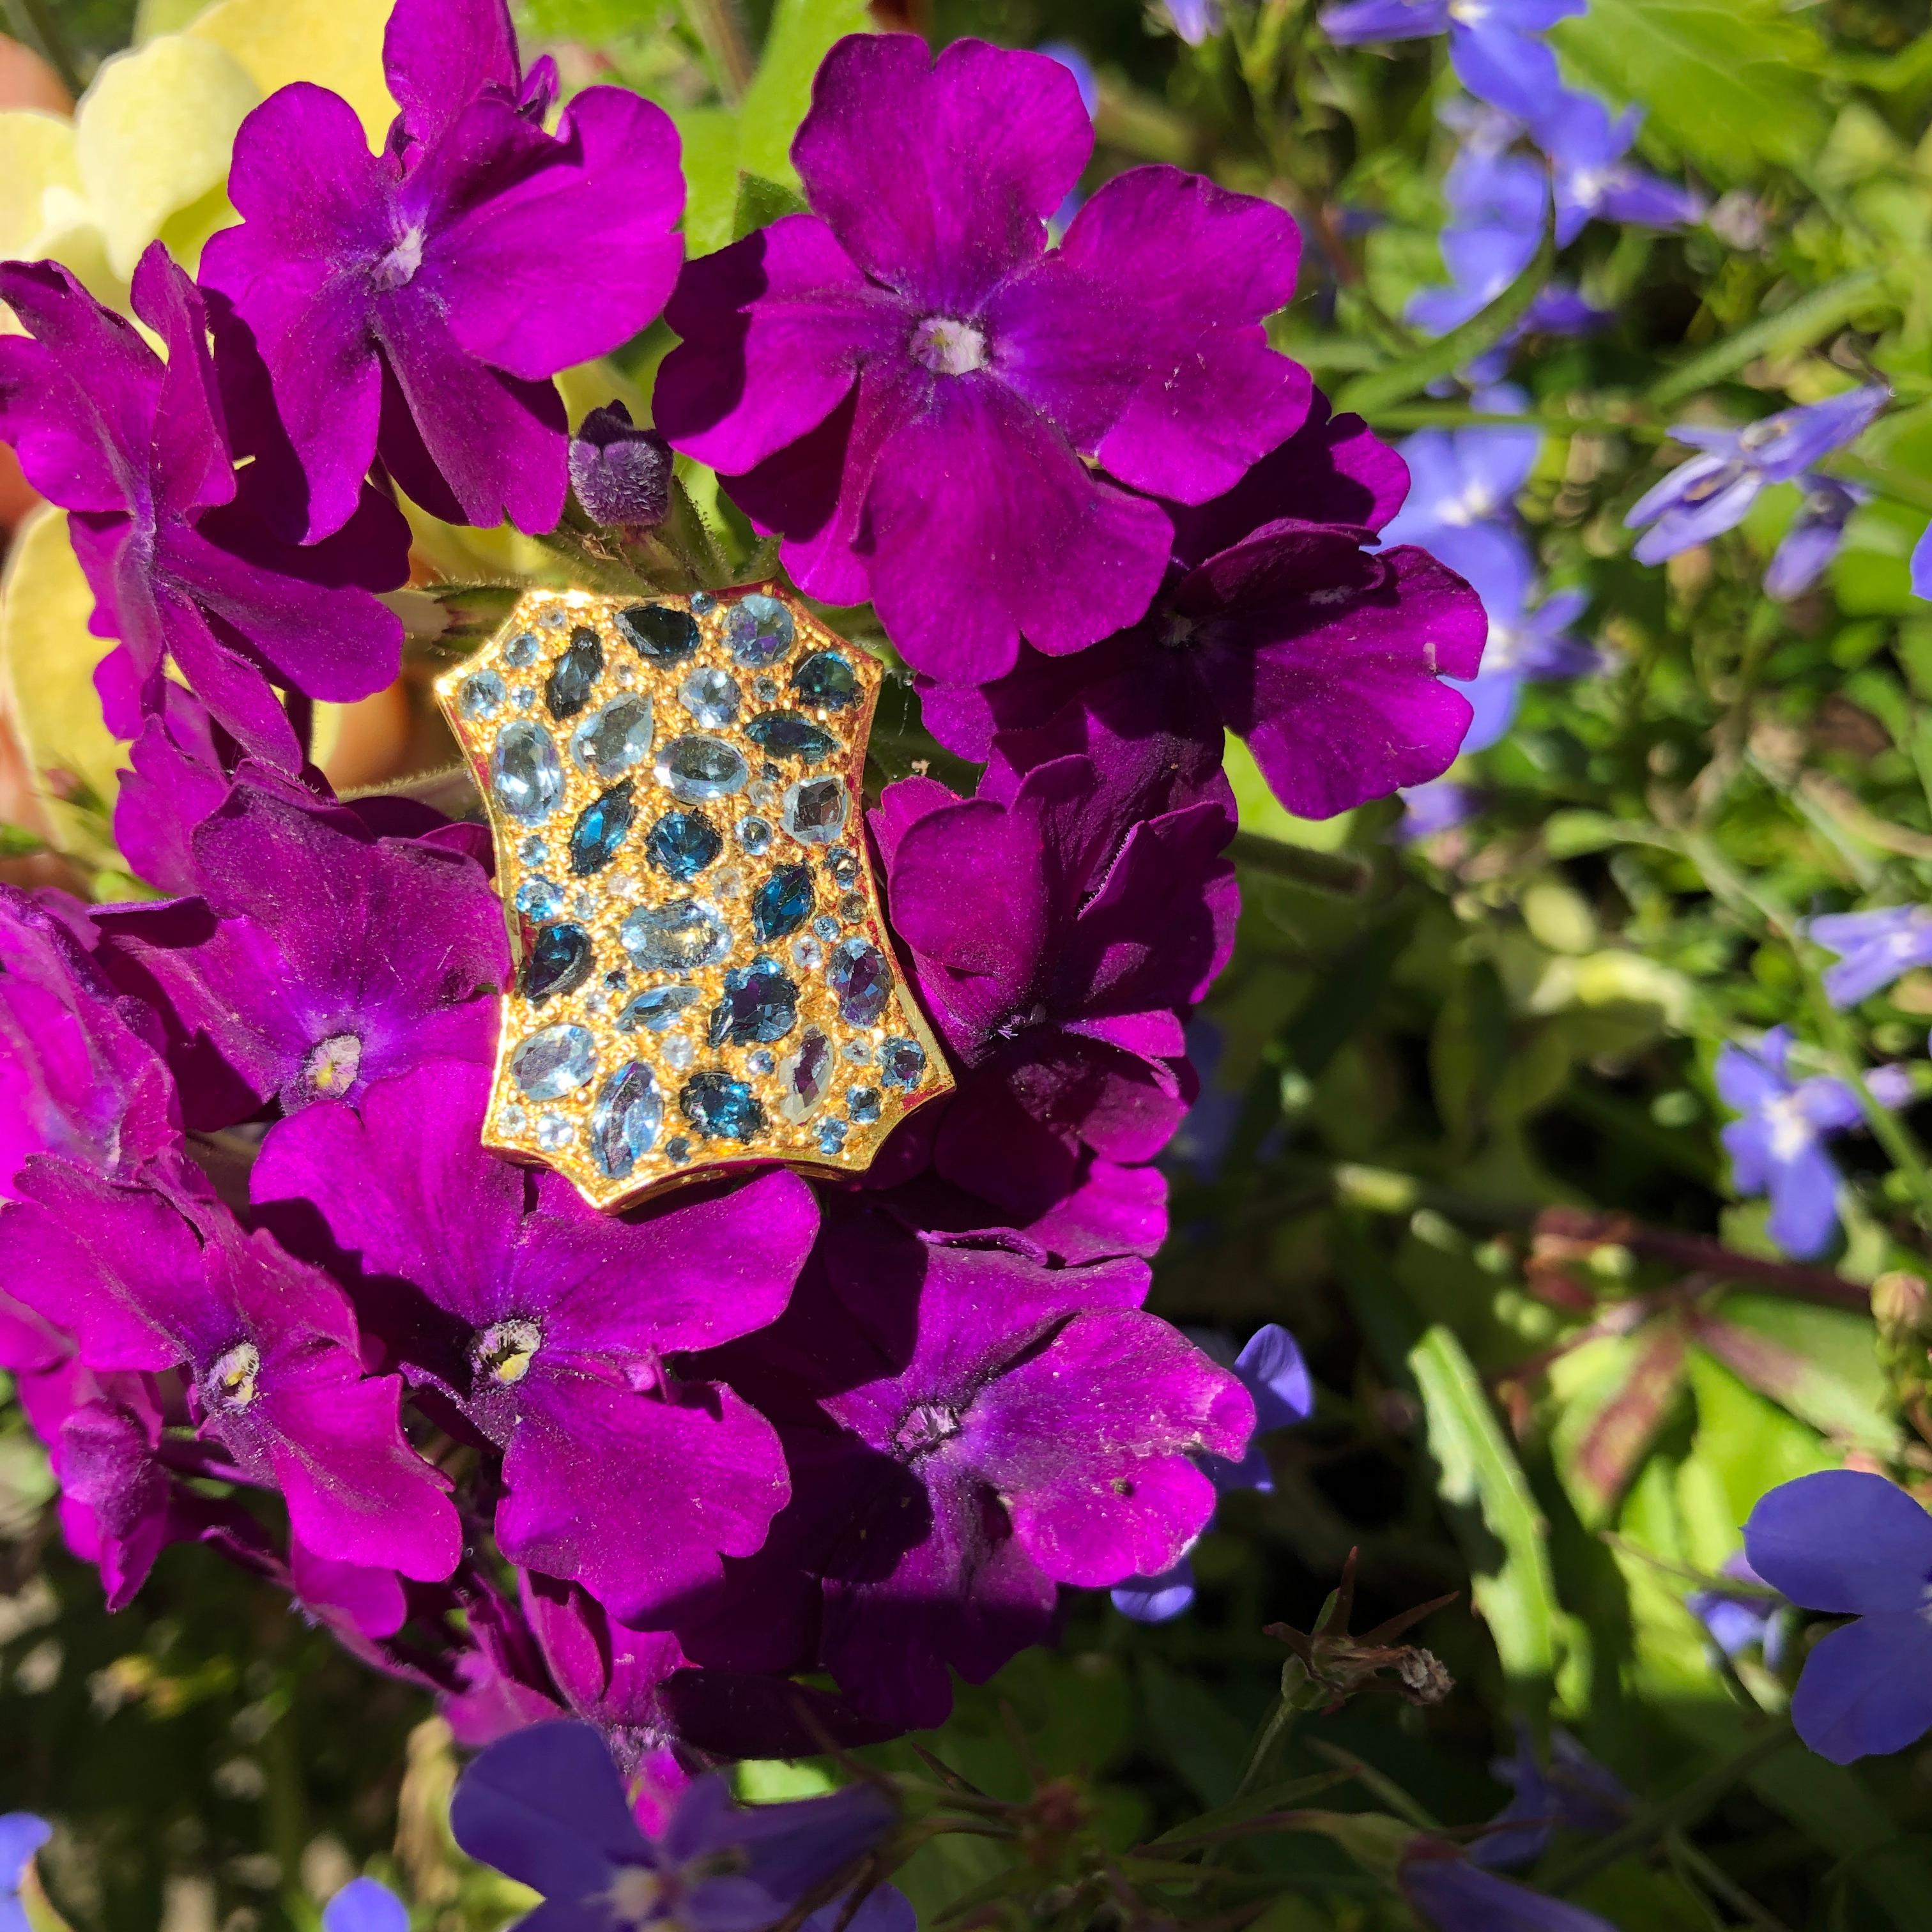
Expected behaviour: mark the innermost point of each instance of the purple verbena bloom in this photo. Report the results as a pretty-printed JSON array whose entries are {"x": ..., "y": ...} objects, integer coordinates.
[
  {"x": 412, "y": 306},
  {"x": 1737, "y": 1619},
  {"x": 1594, "y": 181},
  {"x": 316, "y": 956},
  {"x": 1816, "y": 534},
  {"x": 621, "y": 474},
  {"x": 155, "y": 1277},
  {"x": 547, "y": 1807},
  {"x": 365, "y": 1905},
  {"x": 550, "y": 1325},
  {"x": 22, "y": 1834},
  {"x": 176, "y": 544},
  {"x": 905, "y": 381},
  {"x": 1570, "y": 1791},
  {"x": 1777, "y": 1148},
  {"x": 1491, "y": 42},
  {"x": 1711, "y": 493},
  {"x": 1852, "y": 1544},
  {"x": 1874, "y": 949},
  {"x": 1449, "y": 1893}
]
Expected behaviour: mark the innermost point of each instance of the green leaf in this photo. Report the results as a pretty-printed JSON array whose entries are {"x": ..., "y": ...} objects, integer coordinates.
[
  {"x": 709, "y": 135},
  {"x": 759, "y": 202},
  {"x": 1797, "y": 325},
  {"x": 1817, "y": 1363},
  {"x": 802, "y": 33}
]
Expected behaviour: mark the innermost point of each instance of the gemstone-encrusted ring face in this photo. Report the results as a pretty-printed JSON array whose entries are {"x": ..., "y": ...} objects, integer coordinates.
[{"x": 704, "y": 977}]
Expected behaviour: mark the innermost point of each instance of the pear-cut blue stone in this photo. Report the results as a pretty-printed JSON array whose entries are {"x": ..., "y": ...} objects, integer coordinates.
[
  {"x": 568, "y": 688},
  {"x": 694, "y": 768},
  {"x": 827, "y": 678},
  {"x": 783, "y": 903},
  {"x": 759, "y": 630},
  {"x": 554, "y": 1062},
  {"x": 721, "y": 1107},
  {"x": 526, "y": 772},
  {"x": 790, "y": 734},
  {"x": 760, "y": 1005},
  {"x": 614, "y": 737},
  {"x": 680, "y": 936},
  {"x": 682, "y": 844},
  {"x": 624, "y": 1121},
  {"x": 658, "y": 1009},
  {"x": 657, "y": 633},
  {"x": 558, "y": 961},
  {"x": 862, "y": 980},
  {"x": 602, "y": 827}
]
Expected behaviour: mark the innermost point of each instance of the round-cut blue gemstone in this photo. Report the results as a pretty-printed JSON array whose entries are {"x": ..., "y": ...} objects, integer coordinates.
[
  {"x": 843, "y": 866},
  {"x": 831, "y": 1137},
  {"x": 902, "y": 1063},
  {"x": 624, "y": 1121},
  {"x": 827, "y": 678},
  {"x": 694, "y": 769},
  {"x": 862, "y": 980},
  {"x": 558, "y": 961},
  {"x": 862, "y": 1104},
  {"x": 554, "y": 1062},
  {"x": 710, "y": 695},
  {"x": 538, "y": 898},
  {"x": 814, "y": 810},
  {"x": 657, "y": 1009},
  {"x": 759, "y": 630},
  {"x": 682, "y": 844},
  {"x": 526, "y": 773},
  {"x": 754, "y": 834},
  {"x": 681, "y": 936},
  {"x": 522, "y": 650},
  {"x": 481, "y": 695},
  {"x": 783, "y": 903},
  {"x": 760, "y": 1005},
  {"x": 658, "y": 633},
  {"x": 790, "y": 734},
  {"x": 721, "y": 1109},
  {"x": 573, "y": 677},
  {"x": 602, "y": 827},
  {"x": 614, "y": 737}
]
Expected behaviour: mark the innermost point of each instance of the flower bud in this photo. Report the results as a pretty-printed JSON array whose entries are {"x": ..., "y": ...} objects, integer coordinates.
[{"x": 621, "y": 473}]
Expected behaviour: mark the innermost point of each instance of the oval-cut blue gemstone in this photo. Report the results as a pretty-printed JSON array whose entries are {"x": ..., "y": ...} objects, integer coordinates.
[
  {"x": 862, "y": 980},
  {"x": 658, "y": 1009},
  {"x": 760, "y": 1005},
  {"x": 682, "y": 844},
  {"x": 827, "y": 678},
  {"x": 902, "y": 1063},
  {"x": 526, "y": 773},
  {"x": 814, "y": 810},
  {"x": 657, "y": 633},
  {"x": 695, "y": 768},
  {"x": 759, "y": 630},
  {"x": 783, "y": 903},
  {"x": 558, "y": 961},
  {"x": 721, "y": 1109},
  {"x": 602, "y": 827},
  {"x": 554, "y": 1062},
  {"x": 568, "y": 688},
  {"x": 790, "y": 734},
  {"x": 710, "y": 695},
  {"x": 624, "y": 1121},
  {"x": 680, "y": 936},
  {"x": 614, "y": 737}
]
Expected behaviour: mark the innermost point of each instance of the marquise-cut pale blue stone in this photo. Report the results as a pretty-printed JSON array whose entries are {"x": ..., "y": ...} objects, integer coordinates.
[
  {"x": 814, "y": 810},
  {"x": 759, "y": 630},
  {"x": 805, "y": 1077},
  {"x": 602, "y": 828},
  {"x": 862, "y": 980},
  {"x": 783, "y": 903},
  {"x": 827, "y": 678},
  {"x": 658, "y": 1009},
  {"x": 790, "y": 734},
  {"x": 682, "y": 844},
  {"x": 710, "y": 695},
  {"x": 760, "y": 1005},
  {"x": 694, "y": 769},
  {"x": 681, "y": 936},
  {"x": 526, "y": 772},
  {"x": 614, "y": 737},
  {"x": 624, "y": 1121},
  {"x": 721, "y": 1107},
  {"x": 555, "y": 1061}
]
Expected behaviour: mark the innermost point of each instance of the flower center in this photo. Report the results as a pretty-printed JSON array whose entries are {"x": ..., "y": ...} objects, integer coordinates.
[
  {"x": 1790, "y": 1132},
  {"x": 505, "y": 1350},
  {"x": 397, "y": 268},
  {"x": 1756, "y": 436},
  {"x": 949, "y": 348},
  {"x": 1018, "y": 1023},
  {"x": 1706, "y": 487},
  {"x": 924, "y": 1426},
  {"x": 332, "y": 1065},
  {"x": 1468, "y": 13},
  {"x": 1176, "y": 632},
  {"x": 230, "y": 1384}
]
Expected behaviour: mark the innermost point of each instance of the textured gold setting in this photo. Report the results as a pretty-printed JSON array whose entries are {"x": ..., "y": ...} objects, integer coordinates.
[{"x": 506, "y": 683}]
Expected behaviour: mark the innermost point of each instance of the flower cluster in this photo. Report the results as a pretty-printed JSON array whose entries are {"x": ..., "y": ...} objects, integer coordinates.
[{"x": 650, "y": 1469}]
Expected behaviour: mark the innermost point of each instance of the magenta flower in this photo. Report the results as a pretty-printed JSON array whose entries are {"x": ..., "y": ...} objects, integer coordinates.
[
  {"x": 905, "y": 382},
  {"x": 414, "y": 305},
  {"x": 156, "y": 1274},
  {"x": 549, "y": 1323},
  {"x": 317, "y": 956},
  {"x": 177, "y": 544}
]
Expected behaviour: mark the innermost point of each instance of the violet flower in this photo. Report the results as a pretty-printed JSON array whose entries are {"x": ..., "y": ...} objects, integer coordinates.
[
  {"x": 1430, "y": 810},
  {"x": 176, "y": 544},
  {"x": 22, "y": 1834},
  {"x": 1448, "y": 1892},
  {"x": 154, "y": 1277},
  {"x": 1594, "y": 181},
  {"x": 412, "y": 306},
  {"x": 621, "y": 474},
  {"x": 916, "y": 327},
  {"x": 317, "y": 955},
  {"x": 1567, "y": 1790},
  {"x": 1711, "y": 493},
  {"x": 1922, "y": 565},
  {"x": 1777, "y": 1147},
  {"x": 1491, "y": 42},
  {"x": 1738, "y": 1619},
  {"x": 1196, "y": 21},
  {"x": 1816, "y": 534},
  {"x": 365, "y": 1905},
  {"x": 1874, "y": 949},
  {"x": 549, "y": 1325},
  {"x": 546, "y": 1806},
  {"x": 1461, "y": 477},
  {"x": 1851, "y": 1544}
]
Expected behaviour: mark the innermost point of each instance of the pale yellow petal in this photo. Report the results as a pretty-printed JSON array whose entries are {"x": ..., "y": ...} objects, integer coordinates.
[
  {"x": 336, "y": 44},
  {"x": 36, "y": 167},
  {"x": 153, "y": 135}
]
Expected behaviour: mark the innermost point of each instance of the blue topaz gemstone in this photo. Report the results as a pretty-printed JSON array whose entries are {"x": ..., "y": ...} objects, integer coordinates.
[
  {"x": 805, "y": 1076},
  {"x": 539, "y": 898},
  {"x": 827, "y": 927},
  {"x": 783, "y": 903},
  {"x": 790, "y": 734},
  {"x": 680, "y": 936},
  {"x": 721, "y": 1109},
  {"x": 843, "y": 865},
  {"x": 657, "y": 1008},
  {"x": 703, "y": 603},
  {"x": 555, "y": 1132},
  {"x": 533, "y": 851},
  {"x": 710, "y": 695},
  {"x": 554, "y": 1062},
  {"x": 558, "y": 961},
  {"x": 759, "y": 630},
  {"x": 682, "y": 844},
  {"x": 677, "y": 1148},
  {"x": 526, "y": 773},
  {"x": 658, "y": 634},
  {"x": 827, "y": 678},
  {"x": 624, "y": 1121},
  {"x": 482, "y": 695},
  {"x": 602, "y": 827},
  {"x": 831, "y": 1137},
  {"x": 573, "y": 677},
  {"x": 754, "y": 834},
  {"x": 694, "y": 769},
  {"x": 814, "y": 810},
  {"x": 862, "y": 1104},
  {"x": 902, "y": 1063},
  {"x": 522, "y": 650},
  {"x": 614, "y": 737},
  {"x": 766, "y": 690},
  {"x": 862, "y": 980},
  {"x": 760, "y": 1005}
]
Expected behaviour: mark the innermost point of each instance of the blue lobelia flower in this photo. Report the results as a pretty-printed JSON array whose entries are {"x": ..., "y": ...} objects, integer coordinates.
[
  {"x": 1711, "y": 493},
  {"x": 365, "y": 1905},
  {"x": 1449, "y": 1892},
  {"x": 1816, "y": 534},
  {"x": 1594, "y": 181},
  {"x": 1492, "y": 43},
  {"x": 1194, "y": 20},
  {"x": 1776, "y": 1146},
  {"x": 1874, "y": 948},
  {"x": 1922, "y": 565},
  {"x": 1271, "y": 1369},
  {"x": 1458, "y": 477},
  {"x": 1429, "y": 810},
  {"x": 1852, "y": 1544},
  {"x": 22, "y": 1834},
  {"x": 1568, "y": 1791},
  {"x": 1736, "y": 1620}
]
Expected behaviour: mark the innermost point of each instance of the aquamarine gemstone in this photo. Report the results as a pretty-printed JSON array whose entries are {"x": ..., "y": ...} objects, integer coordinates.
[
  {"x": 831, "y": 1137},
  {"x": 862, "y": 1104},
  {"x": 522, "y": 650},
  {"x": 827, "y": 678},
  {"x": 902, "y": 1063},
  {"x": 680, "y": 936},
  {"x": 554, "y": 1062},
  {"x": 814, "y": 810},
  {"x": 843, "y": 865},
  {"x": 624, "y": 1122},
  {"x": 862, "y": 980},
  {"x": 790, "y": 734},
  {"x": 759, "y": 630},
  {"x": 694, "y": 769},
  {"x": 539, "y": 898},
  {"x": 721, "y": 1107},
  {"x": 710, "y": 695},
  {"x": 657, "y": 1008},
  {"x": 526, "y": 772},
  {"x": 614, "y": 737},
  {"x": 481, "y": 695}
]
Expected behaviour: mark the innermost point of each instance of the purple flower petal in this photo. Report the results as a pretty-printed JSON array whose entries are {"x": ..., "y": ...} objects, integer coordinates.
[
  {"x": 1156, "y": 1600},
  {"x": 1363, "y": 21},
  {"x": 1510, "y": 70},
  {"x": 1867, "y": 1688},
  {"x": 1843, "y": 1541},
  {"x": 365, "y": 1905}
]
